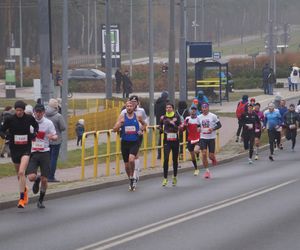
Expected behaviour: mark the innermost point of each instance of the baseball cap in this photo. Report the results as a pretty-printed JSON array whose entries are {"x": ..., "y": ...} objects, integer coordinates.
[{"x": 39, "y": 108}]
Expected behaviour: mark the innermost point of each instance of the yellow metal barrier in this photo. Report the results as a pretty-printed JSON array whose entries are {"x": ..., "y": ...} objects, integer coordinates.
[
  {"x": 117, "y": 153},
  {"x": 94, "y": 157}
]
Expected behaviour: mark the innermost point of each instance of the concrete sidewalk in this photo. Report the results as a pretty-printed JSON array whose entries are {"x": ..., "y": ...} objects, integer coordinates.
[{"x": 70, "y": 178}]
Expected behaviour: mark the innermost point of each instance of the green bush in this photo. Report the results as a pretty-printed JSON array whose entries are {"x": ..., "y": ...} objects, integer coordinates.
[{"x": 247, "y": 83}]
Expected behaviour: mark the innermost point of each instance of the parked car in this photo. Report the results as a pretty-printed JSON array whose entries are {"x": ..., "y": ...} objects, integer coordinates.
[{"x": 86, "y": 74}]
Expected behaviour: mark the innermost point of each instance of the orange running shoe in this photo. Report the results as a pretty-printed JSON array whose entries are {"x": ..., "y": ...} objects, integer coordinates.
[
  {"x": 21, "y": 203},
  {"x": 26, "y": 195},
  {"x": 207, "y": 175}
]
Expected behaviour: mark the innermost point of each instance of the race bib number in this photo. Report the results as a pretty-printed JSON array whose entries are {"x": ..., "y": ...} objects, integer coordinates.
[
  {"x": 171, "y": 136},
  {"x": 21, "y": 139},
  {"x": 257, "y": 130},
  {"x": 249, "y": 125},
  {"x": 205, "y": 131},
  {"x": 130, "y": 130},
  {"x": 38, "y": 145},
  {"x": 279, "y": 129},
  {"x": 194, "y": 141},
  {"x": 292, "y": 126}
]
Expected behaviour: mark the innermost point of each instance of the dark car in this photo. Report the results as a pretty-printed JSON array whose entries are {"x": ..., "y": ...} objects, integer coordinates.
[{"x": 86, "y": 74}]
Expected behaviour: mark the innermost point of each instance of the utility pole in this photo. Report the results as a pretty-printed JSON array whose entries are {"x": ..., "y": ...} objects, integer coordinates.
[
  {"x": 202, "y": 21},
  {"x": 272, "y": 46},
  {"x": 44, "y": 46},
  {"x": 88, "y": 31},
  {"x": 171, "y": 71},
  {"x": 21, "y": 44},
  {"x": 130, "y": 38},
  {"x": 108, "y": 83},
  {"x": 64, "y": 94},
  {"x": 96, "y": 35},
  {"x": 151, "y": 68},
  {"x": 182, "y": 52}
]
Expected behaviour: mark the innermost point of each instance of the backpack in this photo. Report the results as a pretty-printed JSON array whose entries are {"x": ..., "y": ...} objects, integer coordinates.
[
  {"x": 240, "y": 109},
  {"x": 295, "y": 72},
  {"x": 181, "y": 116}
]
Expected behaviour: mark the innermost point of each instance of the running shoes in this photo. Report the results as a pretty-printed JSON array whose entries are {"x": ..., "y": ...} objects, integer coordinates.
[
  {"x": 26, "y": 196},
  {"x": 174, "y": 181},
  {"x": 165, "y": 182},
  {"x": 196, "y": 172},
  {"x": 207, "y": 175}
]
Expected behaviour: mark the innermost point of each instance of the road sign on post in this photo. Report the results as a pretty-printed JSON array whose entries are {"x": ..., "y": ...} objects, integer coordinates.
[
  {"x": 10, "y": 78},
  {"x": 115, "y": 45}
]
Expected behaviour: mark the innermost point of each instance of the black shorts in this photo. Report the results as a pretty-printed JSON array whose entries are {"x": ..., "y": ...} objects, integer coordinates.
[
  {"x": 16, "y": 155},
  {"x": 208, "y": 143},
  {"x": 39, "y": 159},
  {"x": 129, "y": 148},
  {"x": 191, "y": 146}
]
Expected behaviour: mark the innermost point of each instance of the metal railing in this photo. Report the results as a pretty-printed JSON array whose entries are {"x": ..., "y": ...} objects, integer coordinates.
[{"x": 149, "y": 148}]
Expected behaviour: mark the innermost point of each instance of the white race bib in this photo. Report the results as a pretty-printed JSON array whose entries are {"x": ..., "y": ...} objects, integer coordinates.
[
  {"x": 292, "y": 126},
  {"x": 279, "y": 129},
  {"x": 21, "y": 139},
  {"x": 38, "y": 145},
  {"x": 205, "y": 131},
  {"x": 171, "y": 136},
  {"x": 249, "y": 125},
  {"x": 257, "y": 130},
  {"x": 130, "y": 130}
]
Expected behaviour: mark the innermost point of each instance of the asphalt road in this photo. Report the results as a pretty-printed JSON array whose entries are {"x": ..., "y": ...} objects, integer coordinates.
[{"x": 243, "y": 207}]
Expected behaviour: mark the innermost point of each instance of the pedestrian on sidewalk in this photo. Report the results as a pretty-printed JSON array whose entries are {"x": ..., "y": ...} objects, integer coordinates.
[
  {"x": 209, "y": 123},
  {"x": 130, "y": 130},
  {"x": 192, "y": 126},
  {"x": 169, "y": 126},
  {"x": 271, "y": 81},
  {"x": 258, "y": 128},
  {"x": 7, "y": 112},
  {"x": 159, "y": 111},
  {"x": 249, "y": 120},
  {"x": 40, "y": 157},
  {"x": 53, "y": 114},
  {"x": 265, "y": 74},
  {"x": 272, "y": 122},
  {"x": 20, "y": 137},
  {"x": 118, "y": 76},
  {"x": 295, "y": 77},
  {"x": 79, "y": 129},
  {"x": 127, "y": 84},
  {"x": 240, "y": 109},
  {"x": 290, "y": 119}
]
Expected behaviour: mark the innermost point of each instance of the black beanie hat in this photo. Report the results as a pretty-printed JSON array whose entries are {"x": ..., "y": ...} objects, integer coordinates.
[{"x": 20, "y": 104}]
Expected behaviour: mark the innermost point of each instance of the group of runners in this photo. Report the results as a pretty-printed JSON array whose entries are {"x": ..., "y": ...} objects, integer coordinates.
[
  {"x": 280, "y": 121},
  {"x": 201, "y": 130},
  {"x": 29, "y": 137}
]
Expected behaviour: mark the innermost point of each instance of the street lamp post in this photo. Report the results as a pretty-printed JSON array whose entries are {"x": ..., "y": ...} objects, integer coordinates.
[{"x": 21, "y": 44}]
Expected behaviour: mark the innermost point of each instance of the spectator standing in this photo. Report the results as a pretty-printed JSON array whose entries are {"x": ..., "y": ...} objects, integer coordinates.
[
  {"x": 79, "y": 131},
  {"x": 8, "y": 112},
  {"x": 58, "y": 83},
  {"x": 295, "y": 77},
  {"x": 127, "y": 85},
  {"x": 160, "y": 110},
  {"x": 265, "y": 74},
  {"x": 52, "y": 113},
  {"x": 271, "y": 81},
  {"x": 118, "y": 76}
]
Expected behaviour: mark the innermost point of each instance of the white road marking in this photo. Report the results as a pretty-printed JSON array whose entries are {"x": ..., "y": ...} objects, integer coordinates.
[{"x": 142, "y": 231}]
